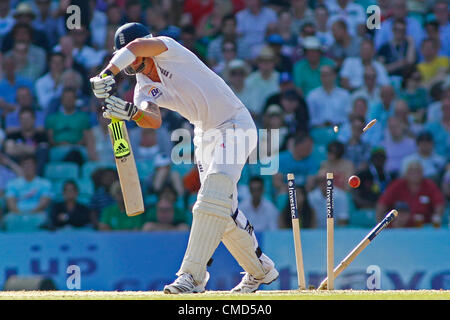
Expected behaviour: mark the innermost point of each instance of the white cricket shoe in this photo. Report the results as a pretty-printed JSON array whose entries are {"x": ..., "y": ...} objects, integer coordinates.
[
  {"x": 250, "y": 284},
  {"x": 185, "y": 284}
]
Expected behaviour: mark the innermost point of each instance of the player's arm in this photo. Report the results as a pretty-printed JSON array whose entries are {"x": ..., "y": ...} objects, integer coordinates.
[{"x": 142, "y": 47}]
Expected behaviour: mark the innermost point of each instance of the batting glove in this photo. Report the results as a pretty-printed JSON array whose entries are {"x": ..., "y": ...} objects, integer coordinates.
[
  {"x": 118, "y": 108},
  {"x": 102, "y": 85}
]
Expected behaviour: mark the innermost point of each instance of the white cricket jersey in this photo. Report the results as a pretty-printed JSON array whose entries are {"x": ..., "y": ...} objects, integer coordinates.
[{"x": 188, "y": 87}]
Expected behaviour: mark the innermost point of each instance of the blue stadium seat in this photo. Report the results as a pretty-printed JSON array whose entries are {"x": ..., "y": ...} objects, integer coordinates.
[
  {"x": 323, "y": 136},
  {"x": 360, "y": 218},
  {"x": 86, "y": 190},
  {"x": 89, "y": 167},
  {"x": 59, "y": 152},
  {"x": 182, "y": 168},
  {"x": 61, "y": 171},
  {"x": 24, "y": 222},
  {"x": 145, "y": 168}
]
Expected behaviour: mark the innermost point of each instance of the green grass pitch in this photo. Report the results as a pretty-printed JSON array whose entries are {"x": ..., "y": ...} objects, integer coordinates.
[{"x": 225, "y": 295}]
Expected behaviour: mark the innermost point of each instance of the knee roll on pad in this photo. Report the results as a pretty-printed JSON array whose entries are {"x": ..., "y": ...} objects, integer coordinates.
[
  {"x": 211, "y": 213},
  {"x": 215, "y": 196}
]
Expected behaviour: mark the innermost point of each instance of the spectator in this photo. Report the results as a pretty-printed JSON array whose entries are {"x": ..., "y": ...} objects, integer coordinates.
[
  {"x": 263, "y": 82},
  {"x": 165, "y": 217},
  {"x": 45, "y": 21},
  {"x": 273, "y": 119},
  {"x": 147, "y": 145},
  {"x": 399, "y": 53},
  {"x": 66, "y": 47},
  {"x": 301, "y": 158},
  {"x": 9, "y": 86},
  {"x": 197, "y": 9},
  {"x": 285, "y": 84},
  {"x": 25, "y": 100},
  {"x": 238, "y": 70},
  {"x": 252, "y": 23},
  {"x": 301, "y": 13},
  {"x": 24, "y": 16},
  {"x": 49, "y": 86},
  {"x": 370, "y": 89},
  {"x": 352, "y": 13},
  {"x": 397, "y": 145},
  {"x": 28, "y": 141},
  {"x": 433, "y": 67},
  {"x": 82, "y": 53},
  {"x": 229, "y": 54},
  {"x": 103, "y": 178},
  {"x": 285, "y": 31},
  {"x": 69, "y": 212},
  {"x": 399, "y": 12},
  {"x": 133, "y": 11},
  {"x": 29, "y": 194},
  {"x": 433, "y": 165},
  {"x": 283, "y": 61},
  {"x": 103, "y": 150},
  {"x": 356, "y": 150},
  {"x": 317, "y": 199},
  {"x": 433, "y": 32},
  {"x": 210, "y": 24},
  {"x": 374, "y": 180},
  {"x": 97, "y": 25},
  {"x": 441, "y": 17},
  {"x": 440, "y": 130},
  {"x": 70, "y": 127},
  {"x": 344, "y": 44},
  {"x": 228, "y": 32},
  {"x": 307, "y": 218},
  {"x": 9, "y": 170},
  {"x": 402, "y": 112},
  {"x": 113, "y": 217},
  {"x": 260, "y": 211},
  {"x": 188, "y": 39},
  {"x": 415, "y": 94},
  {"x": 295, "y": 110},
  {"x": 306, "y": 71},
  {"x": 352, "y": 71},
  {"x": 336, "y": 163},
  {"x": 30, "y": 60},
  {"x": 421, "y": 197},
  {"x": 434, "y": 109},
  {"x": 328, "y": 104},
  {"x": 307, "y": 30},
  {"x": 114, "y": 16},
  {"x": 359, "y": 109},
  {"x": 6, "y": 17},
  {"x": 163, "y": 175},
  {"x": 323, "y": 33},
  {"x": 383, "y": 110}
]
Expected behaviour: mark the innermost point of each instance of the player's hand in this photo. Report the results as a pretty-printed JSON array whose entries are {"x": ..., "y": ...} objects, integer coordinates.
[
  {"x": 102, "y": 85},
  {"x": 118, "y": 108}
]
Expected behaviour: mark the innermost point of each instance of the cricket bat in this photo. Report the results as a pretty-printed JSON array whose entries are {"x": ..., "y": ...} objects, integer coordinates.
[{"x": 126, "y": 168}]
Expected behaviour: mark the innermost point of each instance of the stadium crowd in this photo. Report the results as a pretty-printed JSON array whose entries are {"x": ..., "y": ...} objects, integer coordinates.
[{"x": 315, "y": 71}]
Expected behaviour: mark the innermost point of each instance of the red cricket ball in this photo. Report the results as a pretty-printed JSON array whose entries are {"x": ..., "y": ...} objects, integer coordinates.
[{"x": 354, "y": 181}]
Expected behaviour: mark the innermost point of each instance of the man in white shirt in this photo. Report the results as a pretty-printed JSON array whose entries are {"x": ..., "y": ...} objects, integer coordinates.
[
  {"x": 433, "y": 164},
  {"x": 170, "y": 76},
  {"x": 352, "y": 71},
  {"x": 252, "y": 23},
  {"x": 49, "y": 86},
  {"x": 262, "y": 212},
  {"x": 328, "y": 104}
]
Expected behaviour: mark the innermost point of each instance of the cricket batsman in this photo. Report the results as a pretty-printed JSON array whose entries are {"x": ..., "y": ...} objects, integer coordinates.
[{"x": 170, "y": 76}]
